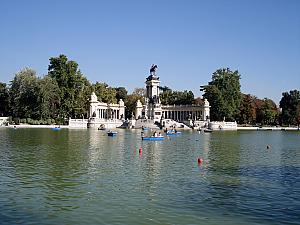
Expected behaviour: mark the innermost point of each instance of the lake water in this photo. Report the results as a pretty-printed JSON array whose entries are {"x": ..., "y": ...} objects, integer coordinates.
[{"x": 86, "y": 177}]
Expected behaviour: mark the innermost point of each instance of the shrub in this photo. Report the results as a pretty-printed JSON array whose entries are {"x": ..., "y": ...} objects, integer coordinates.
[
  {"x": 29, "y": 120},
  {"x": 22, "y": 120},
  {"x": 59, "y": 121},
  {"x": 16, "y": 120}
]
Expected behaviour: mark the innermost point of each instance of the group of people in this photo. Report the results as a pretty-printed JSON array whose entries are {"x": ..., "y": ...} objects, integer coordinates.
[{"x": 156, "y": 134}]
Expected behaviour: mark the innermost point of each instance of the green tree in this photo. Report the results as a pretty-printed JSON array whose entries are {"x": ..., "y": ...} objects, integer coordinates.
[
  {"x": 247, "y": 113},
  {"x": 24, "y": 95},
  {"x": 121, "y": 93},
  {"x": 224, "y": 94},
  {"x": 105, "y": 93},
  {"x": 183, "y": 97},
  {"x": 268, "y": 113},
  {"x": 82, "y": 103},
  {"x": 258, "y": 105},
  {"x": 49, "y": 98},
  {"x": 288, "y": 104},
  {"x": 165, "y": 88},
  {"x": 166, "y": 95},
  {"x": 4, "y": 97},
  {"x": 130, "y": 102},
  {"x": 298, "y": 116},
  {"x": 169, "y": 97},
  {"x": 71, "y": 83}
]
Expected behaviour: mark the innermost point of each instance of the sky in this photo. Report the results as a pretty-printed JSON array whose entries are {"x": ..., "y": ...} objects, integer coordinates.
[{"x": 116, "y": 41}]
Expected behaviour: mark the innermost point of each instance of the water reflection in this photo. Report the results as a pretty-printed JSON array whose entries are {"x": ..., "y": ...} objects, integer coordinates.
[
  {"x": 206, "y": 139},
  {"x": 51, "y": 162},
  {"x": 151, "y": 165}
]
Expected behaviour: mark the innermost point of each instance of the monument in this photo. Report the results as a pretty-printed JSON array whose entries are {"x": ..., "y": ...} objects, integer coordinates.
[{"x": 158, "y": 113}]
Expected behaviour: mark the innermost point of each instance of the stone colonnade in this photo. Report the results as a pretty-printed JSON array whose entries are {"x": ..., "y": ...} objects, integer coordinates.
[
  {"x": 183, "y": 113},
  {"x": 101, "y": 110},
  {"x": 107, "y": 113}
]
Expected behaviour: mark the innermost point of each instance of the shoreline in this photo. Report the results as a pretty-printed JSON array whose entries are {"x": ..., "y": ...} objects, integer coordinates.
[
  {"x": 238, "y": 128},
  {"x": 35, "y": 126},
  {"x": 268, "y": 128}
]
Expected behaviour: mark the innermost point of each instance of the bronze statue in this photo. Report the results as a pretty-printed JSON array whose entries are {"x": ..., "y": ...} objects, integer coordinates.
[{"x": 153, "y": 69}]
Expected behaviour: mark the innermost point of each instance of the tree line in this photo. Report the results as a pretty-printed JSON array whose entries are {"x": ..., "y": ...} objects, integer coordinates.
[
  {"x": 64, "y": 92},
  {"x": 227, "y": 102}
]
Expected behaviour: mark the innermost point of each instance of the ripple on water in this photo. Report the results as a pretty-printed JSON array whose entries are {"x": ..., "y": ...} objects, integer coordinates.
[{"x": 84, "y": 177}]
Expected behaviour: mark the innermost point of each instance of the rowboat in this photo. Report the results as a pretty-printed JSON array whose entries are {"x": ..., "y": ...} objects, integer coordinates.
[
  {"x": 55, "y": 128},
  {"x": 173, "y": 132},
  {"x": 102, "y": 127},
  {"x": 152, "y": 138},
  {"x": 112, "y": 133},
  {"x": 207, "y": 130}
]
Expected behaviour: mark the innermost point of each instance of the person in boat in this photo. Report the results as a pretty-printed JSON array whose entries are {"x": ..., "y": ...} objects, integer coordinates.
[{"x": 155, "y": 134}]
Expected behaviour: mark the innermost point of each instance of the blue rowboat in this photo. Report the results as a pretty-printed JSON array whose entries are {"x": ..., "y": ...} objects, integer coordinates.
[
  {"x": 152, "y": 138},
  {"x": 112, "y": 133},
  {"x": 56, "y": 128}
]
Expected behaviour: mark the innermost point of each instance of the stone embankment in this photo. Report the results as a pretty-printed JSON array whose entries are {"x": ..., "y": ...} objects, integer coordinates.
[
  {"x": 36, "y": 126},
  {"x": 267, "y": 128}
]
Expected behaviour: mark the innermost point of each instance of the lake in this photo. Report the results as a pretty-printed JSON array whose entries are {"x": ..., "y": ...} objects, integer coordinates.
[{"x": 85, "y": 177}]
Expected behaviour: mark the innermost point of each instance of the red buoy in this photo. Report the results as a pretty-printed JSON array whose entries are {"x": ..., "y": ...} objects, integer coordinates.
[
  {"x": 200, "y": 160},
  {"x": 140, "y": 150}
]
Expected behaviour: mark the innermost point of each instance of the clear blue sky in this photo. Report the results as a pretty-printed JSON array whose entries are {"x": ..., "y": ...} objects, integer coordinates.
[{"x": 117, "y": 41}]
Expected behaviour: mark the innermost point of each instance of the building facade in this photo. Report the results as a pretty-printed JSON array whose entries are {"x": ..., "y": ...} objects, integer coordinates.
[{"x": 154, "y": 110}]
